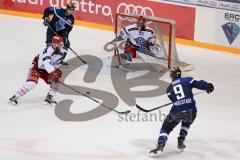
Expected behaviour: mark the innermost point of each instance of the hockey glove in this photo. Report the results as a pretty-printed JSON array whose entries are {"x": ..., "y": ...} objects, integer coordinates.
[
  {"x": 154, "y": 47},
  {"x": 55, "y": 76},
  {"x": 66, "y": 43},
  {"x": 210, "y": 88},
  {"x": 46, "y": 21}
]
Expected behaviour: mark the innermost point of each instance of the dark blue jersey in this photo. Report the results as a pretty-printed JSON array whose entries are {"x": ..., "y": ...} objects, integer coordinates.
[
  {"x": 180, "y": 93},
  {"x": 61, "y": 23}
]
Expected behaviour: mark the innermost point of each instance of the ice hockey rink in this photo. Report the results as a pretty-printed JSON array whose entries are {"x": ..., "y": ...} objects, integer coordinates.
[{"x": 32, "y": 131}]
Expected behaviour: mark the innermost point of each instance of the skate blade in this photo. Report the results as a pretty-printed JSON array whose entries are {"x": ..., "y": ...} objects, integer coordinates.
[
  {"x": 154, "y": 155},
  {"x": 180, "y": 150},
  {"x": 12, "y": 103},
  {"x": 50, "y": 104}
]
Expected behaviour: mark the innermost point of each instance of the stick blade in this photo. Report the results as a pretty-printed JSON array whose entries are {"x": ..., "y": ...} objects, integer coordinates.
[
  {"x": 124, "y": 112},
  {"x": 142, "y": 109}
]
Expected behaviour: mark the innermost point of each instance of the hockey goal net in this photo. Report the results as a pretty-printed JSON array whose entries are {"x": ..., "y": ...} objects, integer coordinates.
[{"x": 164, "y": 33}]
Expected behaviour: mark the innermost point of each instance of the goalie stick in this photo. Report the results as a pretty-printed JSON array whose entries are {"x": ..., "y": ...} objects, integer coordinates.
[
  {"x": 80, "y": 93},
  {"x": 153, "y": 109},
  {"x": 69, "y": 46},
  {"x": 147, "y": 52}
]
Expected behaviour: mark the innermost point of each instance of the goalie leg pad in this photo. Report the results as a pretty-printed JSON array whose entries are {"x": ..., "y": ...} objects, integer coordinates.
[{"x": 130, "y": 50}]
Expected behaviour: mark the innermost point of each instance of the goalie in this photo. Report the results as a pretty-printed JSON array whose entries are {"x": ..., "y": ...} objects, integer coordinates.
[{"x": 139, "y": 37}]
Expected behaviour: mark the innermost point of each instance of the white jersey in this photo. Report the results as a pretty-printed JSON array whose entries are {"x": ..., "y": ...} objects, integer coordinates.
[
  {"x": 136, "y": 37},
  {"x": 49, "y": 61}
]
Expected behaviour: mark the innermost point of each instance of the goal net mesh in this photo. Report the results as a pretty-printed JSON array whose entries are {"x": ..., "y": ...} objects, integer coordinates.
[{"x": 164, "y": 34}]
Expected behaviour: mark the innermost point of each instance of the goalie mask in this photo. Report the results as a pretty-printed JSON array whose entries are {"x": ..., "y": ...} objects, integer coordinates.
[
  {"x": 141, "y": 23},
  {"x": 175, "y": 72}
]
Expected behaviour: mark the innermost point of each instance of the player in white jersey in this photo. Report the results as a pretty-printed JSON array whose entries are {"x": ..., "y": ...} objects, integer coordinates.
[
  {"x": 137, "y": 35},
  {"x": 44, "y": 66}
]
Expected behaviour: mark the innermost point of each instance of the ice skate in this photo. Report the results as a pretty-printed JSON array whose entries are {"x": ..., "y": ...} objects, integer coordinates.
[
  {"x": 13, "y": 100},
  {"x": 181, "y": 146},
  {"x": 157, "y": 151},
  {"x": 49, "y": 100}
]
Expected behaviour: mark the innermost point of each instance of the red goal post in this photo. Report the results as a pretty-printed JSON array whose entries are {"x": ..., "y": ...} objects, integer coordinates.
[{"x": 164, "y": 31}]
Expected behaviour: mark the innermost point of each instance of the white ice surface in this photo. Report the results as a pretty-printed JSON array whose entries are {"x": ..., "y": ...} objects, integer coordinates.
[{"x": 31, "y": 131}]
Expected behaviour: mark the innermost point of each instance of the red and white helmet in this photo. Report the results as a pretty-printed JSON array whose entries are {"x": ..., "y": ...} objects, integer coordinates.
[
  {"x": 141, "y": 22},
  {"x": 57, "y": 40}
]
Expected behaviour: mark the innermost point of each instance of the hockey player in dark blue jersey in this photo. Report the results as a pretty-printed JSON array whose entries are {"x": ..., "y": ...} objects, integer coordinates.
[
  {"x": 183, "y": 110},
  {"x": 62, "y": 23}
]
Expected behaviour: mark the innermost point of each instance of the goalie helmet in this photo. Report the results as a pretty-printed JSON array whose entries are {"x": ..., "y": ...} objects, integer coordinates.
[
  {"x": 71, "y": 6},
  {"x": 175, "y": 72},
  {"x": 141, "y": 22}
]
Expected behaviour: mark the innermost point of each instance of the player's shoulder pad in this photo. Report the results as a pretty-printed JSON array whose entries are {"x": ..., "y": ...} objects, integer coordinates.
[
  {"x": 132, "y": 27},
  {"x": 188, "y": 79},
  {"x": 51, "y": 8},
  {"x": 60, "y": 13},
  {"x": 148, "y": 29},
  {"x": 49, "y": 50},
  {"x": 126, "y": 29},
  {"x": 55, "y": 8},
  {"x": 46, "y": 53}
]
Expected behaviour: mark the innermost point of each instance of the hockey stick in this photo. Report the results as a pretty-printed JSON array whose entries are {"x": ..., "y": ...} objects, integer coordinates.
[
  {"x": 150, "y": 54},
  {"x": 119, "y": 112},
  {"x": 69, "y": 46},
  {"x": 153, "y": 109}
]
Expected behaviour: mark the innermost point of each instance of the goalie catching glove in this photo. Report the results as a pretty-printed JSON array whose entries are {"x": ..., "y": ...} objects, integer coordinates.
[{"x": 55, "y": 76}]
